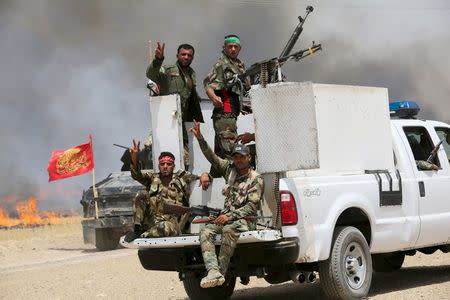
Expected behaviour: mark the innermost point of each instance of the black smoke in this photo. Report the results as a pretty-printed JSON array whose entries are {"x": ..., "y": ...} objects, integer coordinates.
[{"x": 74, "y": 68}]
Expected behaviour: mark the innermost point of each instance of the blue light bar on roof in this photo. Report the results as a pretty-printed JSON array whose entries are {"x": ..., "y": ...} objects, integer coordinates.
[{"x": 404, "y": 109}]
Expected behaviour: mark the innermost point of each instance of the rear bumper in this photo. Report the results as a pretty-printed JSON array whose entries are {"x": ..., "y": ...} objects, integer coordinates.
[{"x": 246, "y": 256}]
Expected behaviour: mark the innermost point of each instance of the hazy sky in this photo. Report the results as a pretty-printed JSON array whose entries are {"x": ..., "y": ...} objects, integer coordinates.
[{"x": 74, "y": 67}]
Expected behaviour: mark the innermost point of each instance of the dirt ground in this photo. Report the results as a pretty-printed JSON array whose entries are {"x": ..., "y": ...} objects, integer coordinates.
[{"x": 53, "y": 263}]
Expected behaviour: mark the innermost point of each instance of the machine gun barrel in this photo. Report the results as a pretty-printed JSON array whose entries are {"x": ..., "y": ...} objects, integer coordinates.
[
  {"x": 300, "y": 54},
  {"x": 296, "y": 34}
]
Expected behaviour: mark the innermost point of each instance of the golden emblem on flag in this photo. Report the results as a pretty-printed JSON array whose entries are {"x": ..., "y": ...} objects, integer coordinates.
[{"x": 71, "y": 160}]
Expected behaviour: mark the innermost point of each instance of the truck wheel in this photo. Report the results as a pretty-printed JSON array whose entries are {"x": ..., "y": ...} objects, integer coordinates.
[
  {"x": 106, "y": 239},
  {"x": 192, "y": 287},
  {"x": 387, "y": 262},
  {"x": 347, "y": 273}
]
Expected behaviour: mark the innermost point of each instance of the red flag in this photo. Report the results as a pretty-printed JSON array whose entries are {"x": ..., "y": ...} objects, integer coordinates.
[{"x": 71, "y": 162}]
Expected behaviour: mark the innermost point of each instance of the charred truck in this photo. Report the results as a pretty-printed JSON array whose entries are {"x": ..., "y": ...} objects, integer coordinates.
[{"x": 109, "y": 214}]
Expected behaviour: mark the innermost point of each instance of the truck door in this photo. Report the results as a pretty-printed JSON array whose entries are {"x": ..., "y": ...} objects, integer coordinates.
[{"x": 434, "y": 186}]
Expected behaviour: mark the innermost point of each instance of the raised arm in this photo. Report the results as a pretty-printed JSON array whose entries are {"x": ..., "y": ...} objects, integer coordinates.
[
  {"x": 155, "y": 71},
  {"x": 218, "y": 163},
  {"x": 135, "y": 168}
]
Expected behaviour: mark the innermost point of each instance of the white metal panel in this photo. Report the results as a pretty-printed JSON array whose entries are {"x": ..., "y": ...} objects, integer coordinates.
[
  {"x": 166, "y": 127},
  {"x": 285, "y": 125},
  {"x": 353, "y": 127},
  {"x": 337, "y": 128}
]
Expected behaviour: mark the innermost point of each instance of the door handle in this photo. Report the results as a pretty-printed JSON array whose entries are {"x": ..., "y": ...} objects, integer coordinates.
[{"x": 422, "y": 188}]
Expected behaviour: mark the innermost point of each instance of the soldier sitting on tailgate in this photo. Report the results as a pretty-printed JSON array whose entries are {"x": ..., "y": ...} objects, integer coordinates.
[
  {"x": 167, "y": 186},
  {"x": 243, "y": 192},
  {"x": 178, "y": 79}
]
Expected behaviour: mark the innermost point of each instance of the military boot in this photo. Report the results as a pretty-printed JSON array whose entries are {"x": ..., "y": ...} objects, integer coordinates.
[
  {"x": 132, "y": 235},
  {"x": 214, "y": 278}
]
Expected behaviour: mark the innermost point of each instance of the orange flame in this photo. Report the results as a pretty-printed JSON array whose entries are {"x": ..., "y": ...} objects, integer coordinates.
[
  {"x": 5, "y": 220},
  {"x": 28, "y": 212},
  {"x": 29, "y": 215}
]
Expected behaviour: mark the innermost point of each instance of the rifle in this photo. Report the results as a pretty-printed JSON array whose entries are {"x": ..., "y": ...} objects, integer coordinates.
[
  {"x": 201, "y": 214},
  {"x": 200, "y": 220},
  {"x": 269, "y": 70},
  {"x": 434, "y": 152},
  {"x": 120, "y": 146},
  {"x": 198, "y": 210}
]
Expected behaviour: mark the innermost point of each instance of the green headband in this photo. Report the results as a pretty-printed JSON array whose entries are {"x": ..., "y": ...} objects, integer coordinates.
[{"x": 232, "y": 39}]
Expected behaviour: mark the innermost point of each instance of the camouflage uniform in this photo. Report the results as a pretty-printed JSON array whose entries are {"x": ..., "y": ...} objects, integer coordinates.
[
  {"x": 221, "y": 80},
  {"x": 172, "y": 80},
  {"x": 148, "y": 205},
  {"x": 242, "y": 199}
]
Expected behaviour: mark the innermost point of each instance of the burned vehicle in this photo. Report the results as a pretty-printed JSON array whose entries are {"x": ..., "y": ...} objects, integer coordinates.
[
  {"x": 109, "y": 214},
  {"x": 114, "y": 214}
]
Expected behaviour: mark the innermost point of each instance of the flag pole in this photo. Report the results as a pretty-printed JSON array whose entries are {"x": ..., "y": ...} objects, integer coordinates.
[{"x": 94, "y": 188}]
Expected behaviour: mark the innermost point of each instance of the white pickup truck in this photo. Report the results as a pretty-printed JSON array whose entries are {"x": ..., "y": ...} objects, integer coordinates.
[{"x": 343, "y": 187}]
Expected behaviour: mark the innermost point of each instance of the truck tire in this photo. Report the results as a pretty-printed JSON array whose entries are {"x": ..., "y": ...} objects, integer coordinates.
[
  {"x": 106, "y": 239},
  {"x": 347, "y": 273},
  {"x": 387, "y": 262},
  {"x": 192, "y": 287}
]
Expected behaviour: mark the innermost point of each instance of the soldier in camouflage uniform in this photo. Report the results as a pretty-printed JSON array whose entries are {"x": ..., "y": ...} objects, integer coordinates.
[
  {"x": 223, "y": 90},
  {"x": 178, "y": 79},
  {"x": 243, "y": 192},
  {"x": 150, "y": 220}
]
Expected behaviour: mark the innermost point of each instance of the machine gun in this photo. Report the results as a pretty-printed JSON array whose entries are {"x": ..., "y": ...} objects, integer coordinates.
[{"x": 268, "y": 71}]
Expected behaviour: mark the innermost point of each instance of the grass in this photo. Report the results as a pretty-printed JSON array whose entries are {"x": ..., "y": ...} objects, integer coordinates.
[{"x": 69, "y": 225}]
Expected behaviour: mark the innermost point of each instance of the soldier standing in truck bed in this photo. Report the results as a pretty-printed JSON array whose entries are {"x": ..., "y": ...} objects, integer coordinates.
[
  {"x": 222, "y": 89},
  {"x": 167, "y": 186},
  {"x": 178, "y": 79}
]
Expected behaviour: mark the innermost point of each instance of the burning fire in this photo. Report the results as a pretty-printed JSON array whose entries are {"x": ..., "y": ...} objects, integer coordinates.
[{"x": 29, "y": 215}]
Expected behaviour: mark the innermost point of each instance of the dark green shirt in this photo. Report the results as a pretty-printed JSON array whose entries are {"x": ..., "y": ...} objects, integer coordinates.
[{"x": 172, "y": 80}]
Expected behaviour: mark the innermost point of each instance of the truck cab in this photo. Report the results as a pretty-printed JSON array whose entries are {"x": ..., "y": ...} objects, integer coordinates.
[{"x": 428, "y": 188}]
